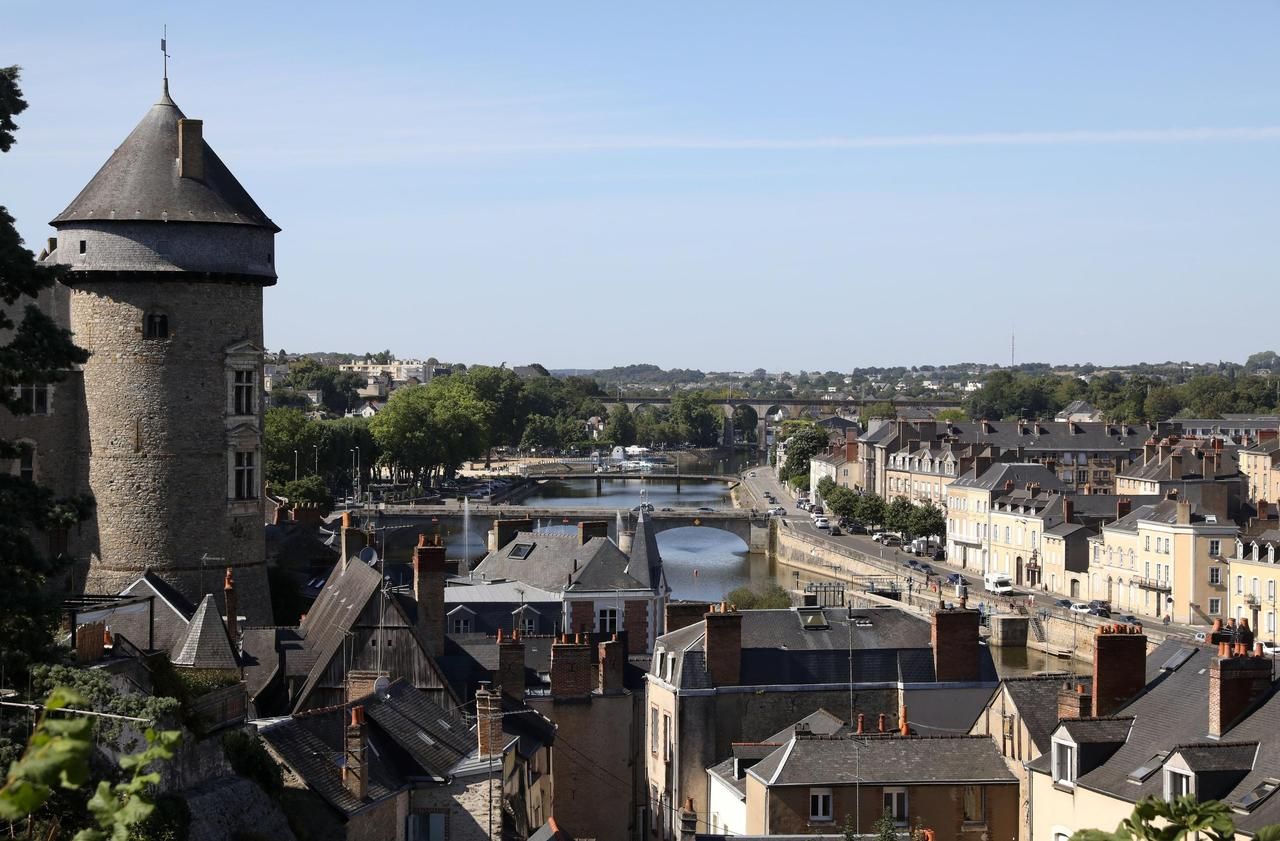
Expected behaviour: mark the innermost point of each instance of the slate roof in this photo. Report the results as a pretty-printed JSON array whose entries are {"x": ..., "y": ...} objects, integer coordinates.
[
  {"x": 433, "y": 736},
  {"x": 505, "y": 592},
  {"x": 172, "y": 614},
  {"x": 140, "y": 182},
  {"x": 334, "y": 613},
  {"x": 884, "y": 760},
  {"x": 1223, "y": 756},
  {"x": 1098, "y": 731},
  {"x": 1192, "y": 465},
  {"x": 1172, "y": 714},
  {"x": 776, "y": 649},
  {"x": 205, "y": 645},
  {"x": 995, "y": 477},
  {"x": 645, "y": 562},
  {"x": 553, "y": 562},
  {"x": 1035, "y": 698},
  {"x": 818, "y": 722}
]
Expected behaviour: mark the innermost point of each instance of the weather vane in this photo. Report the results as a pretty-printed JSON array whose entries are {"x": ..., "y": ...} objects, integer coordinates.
[{"x": 164, "y": 51}]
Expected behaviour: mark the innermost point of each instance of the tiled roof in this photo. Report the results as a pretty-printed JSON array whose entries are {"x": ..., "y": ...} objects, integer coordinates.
[
  {"x": 1098, "y": 731},
  {"x": 884, "y": 760},
  {"x": 334, "y": 613},
  {"x": 818, "y": 722},
  {"x": 995, "y": 477}
]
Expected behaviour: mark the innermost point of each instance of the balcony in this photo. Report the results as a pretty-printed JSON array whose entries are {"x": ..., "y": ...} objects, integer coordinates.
[
  {"x": 1152, "y": 584},
  {"x": 1251, "y": 600}
]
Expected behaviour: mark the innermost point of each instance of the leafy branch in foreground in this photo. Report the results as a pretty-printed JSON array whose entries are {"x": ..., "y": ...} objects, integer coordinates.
[
  {"x": 57, "y": 756},
  {"x": 1156, "y": 819}
]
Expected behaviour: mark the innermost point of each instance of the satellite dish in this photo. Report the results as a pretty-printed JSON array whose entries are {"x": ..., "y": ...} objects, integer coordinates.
[
  {"x": 369, "y": 555},
  {"x": 381, "y": 685}
]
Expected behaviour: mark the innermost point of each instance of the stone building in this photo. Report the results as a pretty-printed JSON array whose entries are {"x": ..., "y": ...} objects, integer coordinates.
[{"x": 167, "y": 257}]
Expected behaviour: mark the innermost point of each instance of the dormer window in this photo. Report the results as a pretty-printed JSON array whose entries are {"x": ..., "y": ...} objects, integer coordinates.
[
  {"x": 1064, "y": 763},
  {"x": 155, "y": 325},
  {"x": 1178, "y": 784}
]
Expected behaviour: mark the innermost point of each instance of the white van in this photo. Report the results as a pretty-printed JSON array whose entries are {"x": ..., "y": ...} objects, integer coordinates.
[{"x": 998, "y": 582}]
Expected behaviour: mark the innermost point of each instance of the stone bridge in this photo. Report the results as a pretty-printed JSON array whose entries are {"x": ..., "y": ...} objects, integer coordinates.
[
  {"x": 788, "y": 407},
  {"x": 403, "y": 522}
]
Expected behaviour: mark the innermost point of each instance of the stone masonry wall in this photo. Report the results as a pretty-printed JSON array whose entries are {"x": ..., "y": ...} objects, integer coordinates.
[{"x": 159, "y": 463}]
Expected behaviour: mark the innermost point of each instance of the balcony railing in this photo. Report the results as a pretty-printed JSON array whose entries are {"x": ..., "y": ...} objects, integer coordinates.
[{"x": 1153, "y": 584}]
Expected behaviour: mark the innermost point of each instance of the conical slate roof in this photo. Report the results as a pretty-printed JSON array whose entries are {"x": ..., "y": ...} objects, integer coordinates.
[
  {"x": 206, "y": 645},
  {"x": 646, "y": 562},
  {"x": 140, "y": 182}
]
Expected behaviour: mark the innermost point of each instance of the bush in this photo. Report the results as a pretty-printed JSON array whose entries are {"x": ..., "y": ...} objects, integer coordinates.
[
  {"x": 768, "y": 597},
  {"x": 250, "y": 760}
]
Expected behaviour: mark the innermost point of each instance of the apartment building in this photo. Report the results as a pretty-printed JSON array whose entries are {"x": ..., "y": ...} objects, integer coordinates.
[
  {"x": 970, "y": 504},
  {"x": 1260, "y": 466},
  {"x": 1252, "y": 580},
  {"x": 1239, "y": 428},
  {"x": 1206, "y": 470},
  {"x": 1191, "y": 720},
  {"x": 924, "y": 473},
  {"x": 1163, "y": 559}
]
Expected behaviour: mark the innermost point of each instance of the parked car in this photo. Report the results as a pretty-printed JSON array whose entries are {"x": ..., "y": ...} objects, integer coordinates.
[
  {"x": 1079, "y": 607},
  {"x": 1102, "y": 603},
  {"x": 1100, "y": 612},
  {"x": 857, "y": 528},
  {"x": 926, "y": 569},
  {"x": 955, "y": 578},
  {"x": 913, "y": 563},
  {"x": 1270, "y": 649},
  {"x": 703, "y": 508},
  {"x": 835, "y": 530},
  {"x": 891, "y": 540},
  {"x": 1130, "y": 619},
  {"x": 668, "y": 509},
  {"x": 751, "y": 475},
  {"x": 821, "y": 523},
  {"x": 940, "y": 554},
  {"x": 1065, "y": 604},
  {"x": 778, "y": 511}
]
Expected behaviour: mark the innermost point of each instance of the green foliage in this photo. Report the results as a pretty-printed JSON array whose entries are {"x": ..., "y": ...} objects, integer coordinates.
[
  {"x": 94, "y": 690},
  {"x": 927, "y": 520},
  {"x": 825, "y": 485},
  {"x": 953, "y": 415},
  {"x": 885, "y": 828},
  {"x": 170, "y": 821},
  {"x": 746, "y": 424},
  {"x": 841, "y": 502},
  {"x": 765, "y": 597},
  {"x": 309, "y": 490},
  {"x": 883, "y": 409},
  {"x": 502, "y": 390},
  {"x": 337, "y": 388},
  {"x": 123, "y": 805},
  {"x": 34, "y": 351},
  {"x": 799, "y": 482},
  {"x": 804, "y": 444},
  {"x": 432, "y": 427},
  {"x": 899, "y": 515},
  {"x": 621, "y": 426},
  {"x": 869, "y": 509},
  {"x": 250, "y": 759},
  {"x": 1156, "y": 819}
]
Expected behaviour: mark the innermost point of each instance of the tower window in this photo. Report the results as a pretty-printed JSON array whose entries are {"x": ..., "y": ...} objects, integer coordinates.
[
  {"x": 33, "y": 399},
  {"x": 84, "y": 246},
  {"x": 27, "y": 462},
  {"x": 242, "y": 393},
  {"x": 155, "y": 326},
  {"x": 246, "y": 484}
]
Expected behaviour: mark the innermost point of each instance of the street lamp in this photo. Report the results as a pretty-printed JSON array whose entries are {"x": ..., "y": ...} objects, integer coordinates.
[
  {"x": 355, "y": 468},
  {"x": 316, "y": 447},
  {"x": 295, "y": 465}
]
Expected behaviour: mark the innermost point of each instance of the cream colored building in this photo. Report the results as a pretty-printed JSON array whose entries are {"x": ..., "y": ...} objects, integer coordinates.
[
  {"x": 1163, "y": 559},
  {"x": 1253, "y": 580},
  {"x": 970, "y": 503},
  {"x": 1260, "y": 465}
]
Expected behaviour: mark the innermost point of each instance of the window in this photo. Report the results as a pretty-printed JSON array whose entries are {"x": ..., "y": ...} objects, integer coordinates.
[
  {"x": 246, "y": 484},
  {"x": 1064, "y": 763},
  {"x": 1239, "y": 584},
  {"x": 243, "y": 393},
  {"x": 1177, "y": 784},
  {"x": 33, "y": 399},
  {"x": 1215, "y": 575},
  {"x": 1271, "y": 590},
  {"x": 27, "y": 462},
  {"x": 1082, "y": 476},
  {"x": 460, "y": 625},
  {"x": 155, "y": 326},
  {"x": 1215, "y": 607},
  {"x": 653, "y": 730},
  {"x": 1146, "y": 543},
  {"x": 819, "y": 804},
  {"x": 666, "y": 736},
  {"x": 84, "y": 246},
  {"x": 607, "y": 620},
  {"x": 427, "y": 826},
  {"x": 528, "y": 623},
  {"x": 975, "y": 806},
  {"x": 895, "y": 804},
  {"x": 1215, "y": 548}
]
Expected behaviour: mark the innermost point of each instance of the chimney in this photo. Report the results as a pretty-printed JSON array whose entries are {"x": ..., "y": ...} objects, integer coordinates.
[
  {"x": 1183, "y": 516},
  {"x": 489, "y": 737},
  {"x": 52, "y": 244},
  {"x": 571, "y": 668},
  {"x": 1068, "y": 509},
  {"x": 352, "y": 540},
  {"x": 190, "y": 149},
  {"x": 510, "y": 675},
  {"x": 881, "y": 720},
  {"x": 280, "y": 516},
  {"x": 862, "y": 723},
  {"x": 232, "y": 603},
  {"x": 677, "y": 615},
  {"x": 1119, "y": 667},
  {"x": 1175, "y": 466},
  {"x": 1148, "y": 450},
  {"x": 428, "y": 593},
  {"x": 592, "y": 528},
  {"x": 1237, "y": 681},
  {"x": 954, "y": 638},
  {"x": 1163, "y": 449},
  {"x": 723, "y": 643},
  {"x": 504, "y": 531},
  {"x": 355, "y": 774},
  {"x": 1074, "y": 702},
  {"x": 904, "y": 724},
  {"x": 1123, "y": 507},
  {"x": 612, "y": 663},
  {"x": 850, "y": 450},
  {"x": 1008, "y": 486}
]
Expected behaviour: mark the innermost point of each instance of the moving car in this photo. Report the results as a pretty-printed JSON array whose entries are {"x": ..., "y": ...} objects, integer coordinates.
[
  {"x": 1079, "y": 607},
  {"x": 821, "y": 523},
  {"x": 1101, "y": 612},
  {"x": 1065, "y": 604},
  {"x": 997, "y": 582},
  {"x": 955, "y": 578},
  {"x": 835, "y": 530},
  {"x": 926, "y": 569}
]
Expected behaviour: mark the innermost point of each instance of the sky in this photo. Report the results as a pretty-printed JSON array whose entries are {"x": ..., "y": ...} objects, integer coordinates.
[{"x": 714, "y": 185}]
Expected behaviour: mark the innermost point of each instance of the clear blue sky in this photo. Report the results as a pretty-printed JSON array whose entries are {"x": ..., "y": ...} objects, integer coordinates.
[{"x": 723, "y": 185}]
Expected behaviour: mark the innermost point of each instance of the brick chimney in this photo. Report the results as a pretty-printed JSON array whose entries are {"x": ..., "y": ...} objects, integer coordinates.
[
  {"x": 504, "y": 531},
  {"x": 1123, "y": 506},
  {"x": 191, "y": 149},
  {"x": 1148, "y": 450},
  {"x": 489, "y": 737},
  {"x": 612, "y": 662},
  {"x": 510, "y": 675},
  {"x": 1175, "y": 466},
  {"x": 850, "y": 450},
  {"x": 355, "y": 773},
  {"x": 954, "y": 637},
  {"x": 232, "y": 605},
  {"x": 571, "y": 675},
  {"x": 1183, "y": 515},
  {"x": 1237, "y": 681},
  {"x": 1119, "y": 667},
  {"x": 428, "y": 592},
  {"x": 1068, "y": 509},
  {"x": 1008, "y": 486},
  {"x": 1074, "y": 702},
  {"x": 723, "y": 643},
  {"x": 592, "y": 528},
  {"x": 351, "y": 539},
  {"x": 1163, "y": 449}
]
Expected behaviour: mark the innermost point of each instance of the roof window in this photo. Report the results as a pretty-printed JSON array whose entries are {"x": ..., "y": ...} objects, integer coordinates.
[
  {"x": 1146, "y": 769},
  {"x": 520, "y": 551},
  {"x": 1257, "y": 794}
]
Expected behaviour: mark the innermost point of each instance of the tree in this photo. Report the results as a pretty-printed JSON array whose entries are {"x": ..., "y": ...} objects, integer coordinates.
[
  {"x": 285, "y": 431},
  {"x": 825, "y": 485},
  {"x": 621, "y": 426},
  {"x": 540, "y": 433},
  {"x": 1156, "y": 819},
  {"x": 927, "y": 520},
  {"x": 952, "y": 415},
  {"x": 746, "y": 423},
  {"x": 898, "y": 516},
  {"x": 841, "y": 502},
  {"x": 799, "y": 482},
  {"x": 885, "y": 828},
  {"x": 696, "y": 421},
  {"x": 870, "y": 510},
  {"x": 767, "y": 597},
  {"x": 502, "y": 389},
  {"x": 37, "y": 352},
  {"x": 436, "y": 426},
  {"x": 882, "y": 409},
  {"x": 803, "y": 445},
  {"x": 309, "y": 490},
  {"x": 337, "y": 388}
]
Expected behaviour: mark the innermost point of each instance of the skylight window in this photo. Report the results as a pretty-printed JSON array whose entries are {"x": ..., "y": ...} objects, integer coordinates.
[
  {"x": 1259, "y": 793},
  {"x": 424, "y": 737},
  {"x": 520, "y": 551},
  {"x": 1146, "y": 769},
  {"x": 814, "y": 620}
]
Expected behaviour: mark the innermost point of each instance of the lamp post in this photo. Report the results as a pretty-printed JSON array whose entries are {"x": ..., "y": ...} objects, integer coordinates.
[
  {"x": 295, "y": 465},
  {"x": 355, "y": 468},
  {"x": 316, "y": 447}
]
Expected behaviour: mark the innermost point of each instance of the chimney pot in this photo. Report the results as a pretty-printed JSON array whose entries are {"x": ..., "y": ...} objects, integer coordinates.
[
  {"x": 881, "y": 722},
  {"x": 861, "y": 723}
]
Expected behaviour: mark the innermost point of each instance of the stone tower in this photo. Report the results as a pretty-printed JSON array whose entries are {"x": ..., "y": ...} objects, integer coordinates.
[{"x": 168, "y": 256}]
